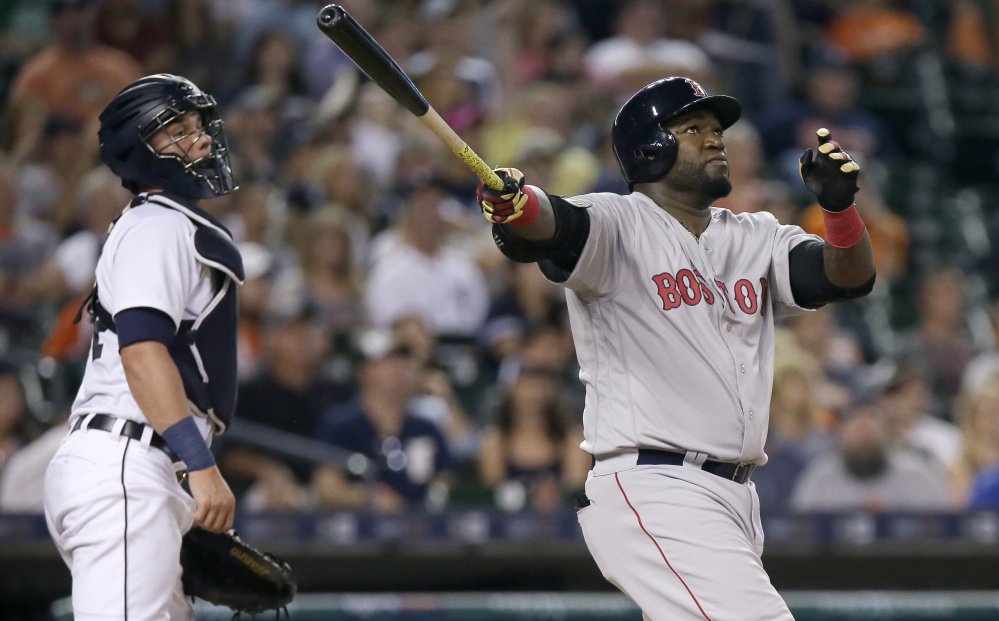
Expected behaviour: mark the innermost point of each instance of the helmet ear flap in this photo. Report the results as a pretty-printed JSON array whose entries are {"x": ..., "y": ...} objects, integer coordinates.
[{"x": 648, "y": 152}]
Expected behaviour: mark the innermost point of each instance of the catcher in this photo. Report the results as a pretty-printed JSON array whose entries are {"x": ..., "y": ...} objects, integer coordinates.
[{"x": 160, "y": 380}]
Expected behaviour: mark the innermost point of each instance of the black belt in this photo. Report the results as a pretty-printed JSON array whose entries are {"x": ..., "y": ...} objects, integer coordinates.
[
  {"x": 131, "y": 429},
  {"x": 739, "y": 472}
]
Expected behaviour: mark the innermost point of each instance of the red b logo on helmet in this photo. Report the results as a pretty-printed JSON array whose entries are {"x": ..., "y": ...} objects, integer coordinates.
[{"x": 694, "y": 86}]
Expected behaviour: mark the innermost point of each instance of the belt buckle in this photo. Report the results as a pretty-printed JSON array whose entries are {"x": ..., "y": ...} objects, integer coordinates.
[{"x": 742, "y": 468}]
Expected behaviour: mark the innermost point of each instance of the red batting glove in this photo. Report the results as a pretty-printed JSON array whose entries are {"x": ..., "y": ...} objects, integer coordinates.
[{"x": 506, "y": 205}]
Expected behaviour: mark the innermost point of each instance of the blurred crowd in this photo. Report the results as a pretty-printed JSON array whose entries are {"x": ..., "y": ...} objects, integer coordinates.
[{"x": 390, "y": 358}]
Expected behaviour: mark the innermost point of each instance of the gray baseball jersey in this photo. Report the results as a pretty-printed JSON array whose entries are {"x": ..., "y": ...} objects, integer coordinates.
[{"x": 675, "y": 336}]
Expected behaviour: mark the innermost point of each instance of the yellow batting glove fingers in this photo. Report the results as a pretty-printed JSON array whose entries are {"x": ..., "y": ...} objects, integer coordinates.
[
  {"x": 831, "y": 175},
  {"x": 508, "y": 206}
]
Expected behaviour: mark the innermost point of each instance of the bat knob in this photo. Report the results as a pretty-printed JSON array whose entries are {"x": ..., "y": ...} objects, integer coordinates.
[{"x": 330, "y": 14}]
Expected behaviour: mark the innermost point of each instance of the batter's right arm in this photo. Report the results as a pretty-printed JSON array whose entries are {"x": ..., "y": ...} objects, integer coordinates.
[
  {"x": 529, "y": 225},
  {"x": 526, "y": 209},
  {"x": 155, "y": 384}
]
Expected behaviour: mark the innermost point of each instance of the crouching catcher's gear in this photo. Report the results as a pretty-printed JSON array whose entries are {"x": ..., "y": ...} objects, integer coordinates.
[{"x": 223, "y": 569}]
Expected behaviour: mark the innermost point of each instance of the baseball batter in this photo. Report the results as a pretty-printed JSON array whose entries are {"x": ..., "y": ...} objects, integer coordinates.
[
  {"x": 672, "y": 305},
  {"x": 161, "y": 375}
]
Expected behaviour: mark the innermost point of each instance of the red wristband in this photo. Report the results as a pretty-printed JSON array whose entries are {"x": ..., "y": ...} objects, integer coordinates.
[
  {"x": 843, "y": 228},
  {"x": 530, "y": 211}
]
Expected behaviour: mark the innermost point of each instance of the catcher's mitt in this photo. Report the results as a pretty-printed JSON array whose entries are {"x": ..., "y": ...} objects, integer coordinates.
[{"x": 223, "y": 569}]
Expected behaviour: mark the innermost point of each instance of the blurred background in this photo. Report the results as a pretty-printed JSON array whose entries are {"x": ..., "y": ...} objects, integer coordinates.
[{"x": 374, "y": 290}]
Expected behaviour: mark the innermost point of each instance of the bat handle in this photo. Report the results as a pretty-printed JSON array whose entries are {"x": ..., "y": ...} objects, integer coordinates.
[{"x": 460, "y": 148}]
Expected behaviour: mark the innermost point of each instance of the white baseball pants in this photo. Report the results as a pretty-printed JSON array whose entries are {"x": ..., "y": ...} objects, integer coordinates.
[
  {"x": 682, "y": 543},
  {"x": 117, "y": 515}
]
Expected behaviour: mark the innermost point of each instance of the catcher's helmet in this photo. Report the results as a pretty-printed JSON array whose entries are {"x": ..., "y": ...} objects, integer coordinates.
[
  {"x": 139, "y": 111},
  {"x": 645, "y": 149}
]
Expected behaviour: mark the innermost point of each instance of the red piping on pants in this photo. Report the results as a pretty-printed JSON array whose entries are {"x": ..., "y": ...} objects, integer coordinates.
[{"x": 658, "y": 547}]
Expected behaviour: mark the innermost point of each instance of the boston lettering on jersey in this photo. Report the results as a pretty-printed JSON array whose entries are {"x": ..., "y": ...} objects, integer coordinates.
[{"x": 688, "y": 287}]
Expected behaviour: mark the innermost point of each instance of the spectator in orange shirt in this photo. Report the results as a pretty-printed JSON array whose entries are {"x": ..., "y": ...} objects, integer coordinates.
[
  {"x": 868, "y": 29},
  {"x": 73, "y": 77}
]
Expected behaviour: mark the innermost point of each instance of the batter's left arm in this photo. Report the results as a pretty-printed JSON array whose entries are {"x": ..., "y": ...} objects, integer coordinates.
[
  {"x": 831, "y": 175},
  {"x": 850, "y": 268},
  {"x": 846, "y": 267}
]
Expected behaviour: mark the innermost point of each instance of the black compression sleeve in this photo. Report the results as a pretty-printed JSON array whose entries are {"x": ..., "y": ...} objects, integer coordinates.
[
  {"x": 570, "y": 237},
  {"x": 556, "y": 257},
  {"x": 810, "y": 285}
]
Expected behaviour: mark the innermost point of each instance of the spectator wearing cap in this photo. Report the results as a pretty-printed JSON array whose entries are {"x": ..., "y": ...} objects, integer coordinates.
[
  {"x": 288, "y": 394},
  {"x": 412, "y": 461}
]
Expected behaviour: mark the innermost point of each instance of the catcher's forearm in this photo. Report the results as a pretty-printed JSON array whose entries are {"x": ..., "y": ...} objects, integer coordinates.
[
  {"x": 155, "y": 383},
  {"x": 850, "y": 267}
]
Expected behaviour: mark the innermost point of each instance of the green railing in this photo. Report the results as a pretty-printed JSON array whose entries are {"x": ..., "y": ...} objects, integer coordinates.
[{"x": 806, "y": 606}]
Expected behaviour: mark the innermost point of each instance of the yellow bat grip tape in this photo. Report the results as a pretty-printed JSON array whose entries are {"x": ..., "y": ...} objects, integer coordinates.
[{"x": 480, "y": 168}]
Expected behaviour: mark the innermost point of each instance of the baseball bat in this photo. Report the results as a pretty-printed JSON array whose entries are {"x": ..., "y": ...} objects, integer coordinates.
[{"x": 337, "y": 24}]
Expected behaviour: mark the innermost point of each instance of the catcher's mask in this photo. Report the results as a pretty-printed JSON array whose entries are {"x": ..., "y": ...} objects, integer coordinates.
[
  {"x": 143, "y": 108},
  {"x": 644, "y": 148}
]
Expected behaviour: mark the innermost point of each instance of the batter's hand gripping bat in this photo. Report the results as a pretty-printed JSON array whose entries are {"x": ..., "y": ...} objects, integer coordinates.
[{"x": 337, "y": 24}]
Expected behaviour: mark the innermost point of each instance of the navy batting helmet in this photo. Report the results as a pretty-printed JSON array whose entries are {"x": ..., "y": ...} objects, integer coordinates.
[
  {"x": 645, "y": 149},
  {"x": 140, "y": 110}
]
